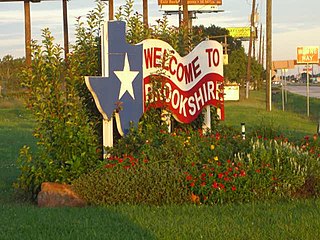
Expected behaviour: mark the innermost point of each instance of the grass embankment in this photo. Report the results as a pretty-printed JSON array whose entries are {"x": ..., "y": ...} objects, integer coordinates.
[
  {"x": 292, "y": 124},
  {"x": 281, "y": 220}
]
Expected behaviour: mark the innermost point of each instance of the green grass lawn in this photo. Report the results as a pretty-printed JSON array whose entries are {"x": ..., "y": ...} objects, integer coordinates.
[
  {"x": 292, "y": 124},
  {"x": 263, "y": 220}
]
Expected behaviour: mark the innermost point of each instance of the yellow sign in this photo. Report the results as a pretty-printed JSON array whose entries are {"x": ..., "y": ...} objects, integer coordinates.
[
  {"x": 241, "y": 32},
  {"x": 308, "y": 54},
  {"x": 190, "y": 2},
  {"x": 225, "y": 59}
]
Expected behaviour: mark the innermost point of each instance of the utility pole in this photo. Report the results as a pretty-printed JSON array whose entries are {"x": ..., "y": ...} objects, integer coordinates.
[
  {"x": 250, "y": 48},
  {"x": 269, "y": 54},
  {"x": 145, "y": 13},
  {"x": 65, "y": 29},
  {"x": 180, "y": 13},
  {"x": 27, "y": 31},
  {"x": 185, "y": 15},
  {"x": 111, "y": 10},
  {"x": 185, "y": 25}
]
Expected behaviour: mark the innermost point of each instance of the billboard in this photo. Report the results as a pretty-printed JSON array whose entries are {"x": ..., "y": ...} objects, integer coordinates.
[
  {"x": 308, "y": 54},
  {"x": 190, "y": 2},
  {"x": 285, "y": 64},
  {"x": 241, "y": 32}
]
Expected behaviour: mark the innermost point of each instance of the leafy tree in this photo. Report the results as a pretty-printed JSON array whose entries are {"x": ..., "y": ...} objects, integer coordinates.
[
  {"x": 9, "y": 74},
  {"x": 236, "y": 70},
  {"x": 218, "y": 33}
]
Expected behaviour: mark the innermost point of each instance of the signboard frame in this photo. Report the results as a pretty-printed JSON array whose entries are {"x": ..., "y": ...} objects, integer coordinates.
[
  {"x": 307, "y": 55},
  {"x": 193, "y": 5}
]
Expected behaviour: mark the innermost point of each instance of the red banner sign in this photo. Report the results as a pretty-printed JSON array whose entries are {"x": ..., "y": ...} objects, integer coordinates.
[{"x": 189, "y": 83}]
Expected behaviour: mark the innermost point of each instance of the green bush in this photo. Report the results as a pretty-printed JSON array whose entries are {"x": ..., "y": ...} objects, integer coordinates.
[
  {"x": 67, "y": 143},
  {"x": 130, "y": 180}
]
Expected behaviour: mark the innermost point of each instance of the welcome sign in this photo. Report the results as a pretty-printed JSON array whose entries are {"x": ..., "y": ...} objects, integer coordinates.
[{"x": 188, "y": 84}]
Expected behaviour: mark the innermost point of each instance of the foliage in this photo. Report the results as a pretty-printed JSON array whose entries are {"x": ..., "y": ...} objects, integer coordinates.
[
  {"x": 9, "y": 75},
  {"x": 235, "y": 71},
  {"x": 130, "y": 180},
  {"x": 216, "y": 167},
  {"x": 85, "y": 60},
  {"x": 66, "y": 146},
  {"x": 218, "y": 34}
]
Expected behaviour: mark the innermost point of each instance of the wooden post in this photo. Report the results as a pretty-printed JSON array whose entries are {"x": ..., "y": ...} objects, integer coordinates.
[
  {"x": 145, "y": 13},
  {"x": 65, "y": 29},
  {"x": 27, "y": 31},
  {"x": 185, "y": 14},
  {"x": 269, "y": 54},
  {"x": 111, "y": 10}
]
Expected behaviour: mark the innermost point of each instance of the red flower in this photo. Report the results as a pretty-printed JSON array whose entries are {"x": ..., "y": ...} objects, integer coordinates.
[
  {"x": 221, "y": 186},
  {"x": 189, "y": 178},
  {"x": 218, "y": 136},
  {"x": 258, "y": 171},
  {"x": 220, "y": 175},
  {"x": 226, "y": 179},
  {"x": 192, "y": 184},
  {"x": 120, "y": 160},
  {"x": 203, "y": 175},
  {"x": 242, "y": 173},
  {"x": 109, "y": 165},
  {"x": 215, "y": 185},
  {"x": 203, "y": 184},
  {"x": 233, "y": 188}
]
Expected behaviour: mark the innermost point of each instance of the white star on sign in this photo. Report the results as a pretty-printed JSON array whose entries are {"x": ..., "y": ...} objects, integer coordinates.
[{"x": 126, "y": 78}]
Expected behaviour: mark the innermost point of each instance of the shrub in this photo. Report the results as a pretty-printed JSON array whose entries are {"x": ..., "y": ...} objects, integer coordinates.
[
  {"x": 130, "y": 180},
  {"x": 67, "y": 145}
]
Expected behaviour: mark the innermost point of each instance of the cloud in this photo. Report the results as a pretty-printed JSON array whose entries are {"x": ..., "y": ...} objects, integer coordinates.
[{"x": 293, "y": 39}]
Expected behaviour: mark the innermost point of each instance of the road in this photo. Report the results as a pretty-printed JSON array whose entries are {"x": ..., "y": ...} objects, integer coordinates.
[{"x": 314, "y": 91}]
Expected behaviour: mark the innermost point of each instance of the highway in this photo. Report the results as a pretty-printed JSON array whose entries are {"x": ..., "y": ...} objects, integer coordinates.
[{"x": 314, "y": 91}]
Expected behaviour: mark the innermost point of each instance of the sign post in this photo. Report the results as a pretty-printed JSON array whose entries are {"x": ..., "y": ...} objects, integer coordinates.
[{"x": 308, "y": 55}]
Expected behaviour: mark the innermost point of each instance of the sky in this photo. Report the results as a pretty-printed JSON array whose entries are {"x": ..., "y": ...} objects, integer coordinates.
[{"x": 294, "y": 22}]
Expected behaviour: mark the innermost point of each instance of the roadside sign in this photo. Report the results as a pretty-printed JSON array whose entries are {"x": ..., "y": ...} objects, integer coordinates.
[
  {"x": 309, "y": 54},
  {"x": 191, "y": 2}
]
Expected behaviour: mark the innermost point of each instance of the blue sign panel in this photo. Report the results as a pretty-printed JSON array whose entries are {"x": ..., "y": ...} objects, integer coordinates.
[{"x": 124, "y": 78}]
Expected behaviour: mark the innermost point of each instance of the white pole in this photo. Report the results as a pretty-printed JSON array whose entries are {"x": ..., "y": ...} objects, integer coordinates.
[
  {"x": 207, "y": 119},
  {"x": 308, "y": 92},
  {"x": 270, "y": 90},
  {"x": 282, "y": 88},
  {"x": 285, "y": 86},
  {"x": 107, "y": 124}
]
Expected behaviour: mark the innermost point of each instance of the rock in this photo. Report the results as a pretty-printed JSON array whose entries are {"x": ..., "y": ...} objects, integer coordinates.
[{"x": 58, "y": 195}]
